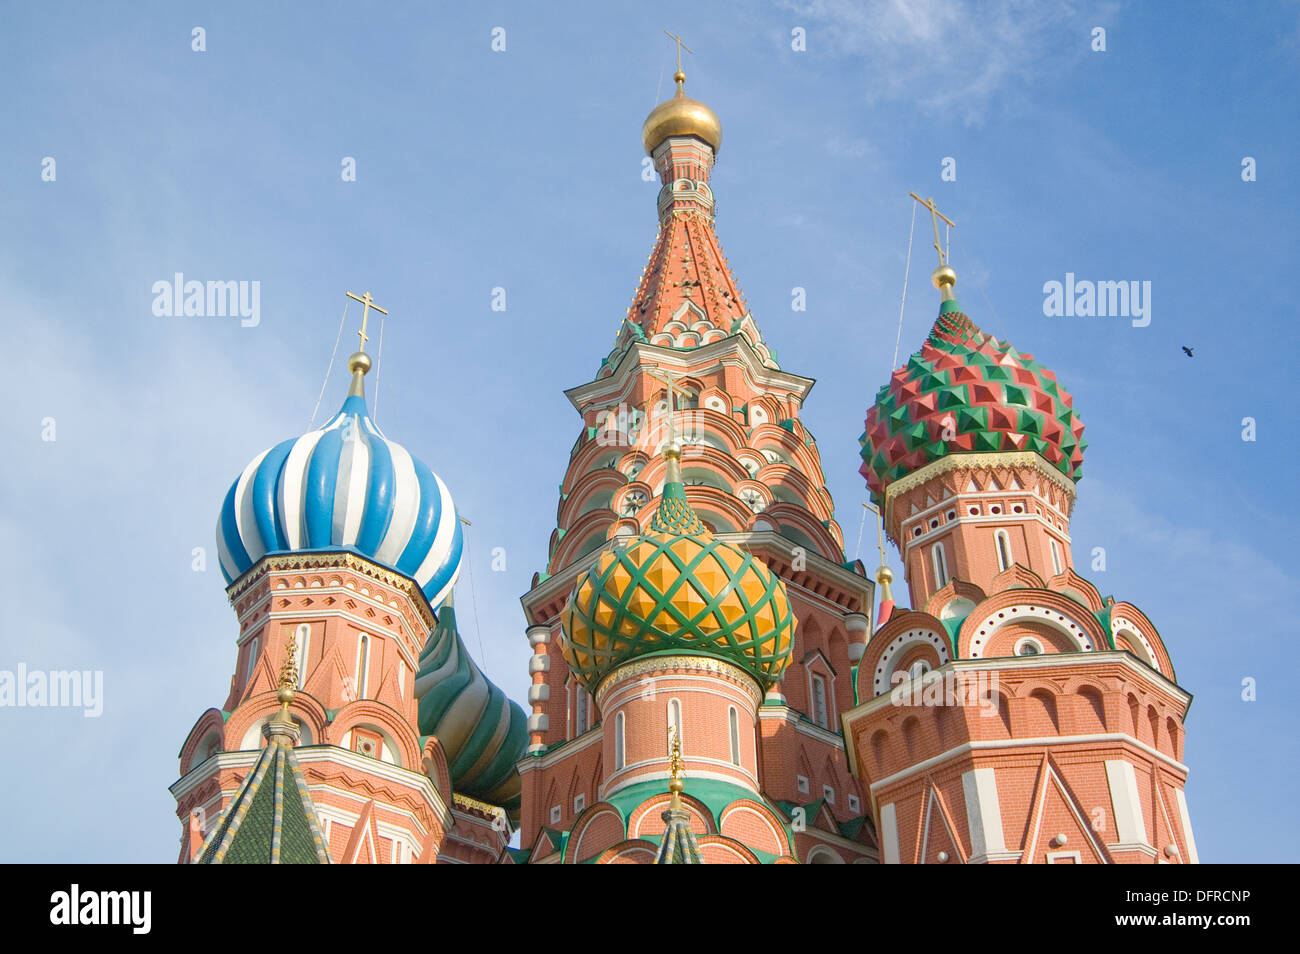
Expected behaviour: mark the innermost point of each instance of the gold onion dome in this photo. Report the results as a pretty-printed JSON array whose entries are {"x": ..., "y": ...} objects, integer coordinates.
[
  {"x": 681, "y": 116},
  {"x": 677, "y": 590}
]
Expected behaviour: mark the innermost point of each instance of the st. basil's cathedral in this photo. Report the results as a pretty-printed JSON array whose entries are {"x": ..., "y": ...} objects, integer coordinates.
[{"x": 713, "y": 681}]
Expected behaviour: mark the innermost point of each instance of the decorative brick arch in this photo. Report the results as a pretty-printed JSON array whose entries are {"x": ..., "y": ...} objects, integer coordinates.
[
  {"x": 1121, "y": 613},
  {"x": 211, "y": 721},
  {"x": 1017, "y": 577},
  {"x": 265, "y": 704},
  {"x": 1040, "y": 606},
  {"x": 597, "y": 829},
  {"x": 1069, "y": 580},
  {"x": 926, "y": 632},
  {"x": 435, "y": 766},
  {"x": 718, "y": 849},
  {"x": 952, "y": 590},
  {"x": 369, "y": 712},
  {"x": 823, "y": 855},
  {"x": 632, "y": 852},
  {"x": 754, "y": 824},
  {"x": 645, "y": 820}
]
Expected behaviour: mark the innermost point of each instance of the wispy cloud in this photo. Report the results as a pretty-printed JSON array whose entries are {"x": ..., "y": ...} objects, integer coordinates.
[{"x": 947, "y": 56}]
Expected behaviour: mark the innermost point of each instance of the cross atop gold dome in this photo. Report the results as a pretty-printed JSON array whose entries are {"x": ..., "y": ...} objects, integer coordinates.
[{"x": 680, "y": 115}]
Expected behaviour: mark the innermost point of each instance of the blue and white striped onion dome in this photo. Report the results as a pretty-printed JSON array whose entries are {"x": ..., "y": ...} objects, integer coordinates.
[{"x": 344, "y": 487}]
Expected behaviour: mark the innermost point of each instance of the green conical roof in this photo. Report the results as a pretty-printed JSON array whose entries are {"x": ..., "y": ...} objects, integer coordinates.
[{"x": 271, "y": 819}]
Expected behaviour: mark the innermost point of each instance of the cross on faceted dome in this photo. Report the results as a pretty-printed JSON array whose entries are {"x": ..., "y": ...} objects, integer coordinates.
[
  {"x": 367, "y": 303},
  {"x": 935, "y": 215},
  {"x": 670, "y": 379}
]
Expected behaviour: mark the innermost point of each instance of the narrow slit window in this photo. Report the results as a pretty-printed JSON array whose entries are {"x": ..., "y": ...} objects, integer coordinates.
[
  {"x": 1003, "y": 543},
  {"x": 940, "y": 560}
]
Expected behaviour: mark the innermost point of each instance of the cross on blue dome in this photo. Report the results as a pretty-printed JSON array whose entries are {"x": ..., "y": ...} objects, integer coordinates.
[{"x": 344, "y": 487}]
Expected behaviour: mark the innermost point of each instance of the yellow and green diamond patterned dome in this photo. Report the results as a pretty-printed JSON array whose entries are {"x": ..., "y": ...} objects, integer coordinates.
[{"x": 676, "y": 589}]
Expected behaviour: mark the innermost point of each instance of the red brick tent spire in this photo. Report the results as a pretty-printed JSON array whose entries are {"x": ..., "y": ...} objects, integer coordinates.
[{"x": 687, "y": 295}]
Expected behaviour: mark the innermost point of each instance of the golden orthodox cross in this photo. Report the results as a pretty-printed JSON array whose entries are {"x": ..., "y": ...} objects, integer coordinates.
[
  {"x": 935, "y": 216},
  {"x": 367, "y": 303},
  {"x": 670, "y": 379},
  {"x": 880, "y": 529},
  {"x": 680, "y": 46}
]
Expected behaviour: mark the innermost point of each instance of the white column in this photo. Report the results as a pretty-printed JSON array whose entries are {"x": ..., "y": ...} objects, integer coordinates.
[
  {"x": 1130, "y": 826},
  {"x": 889, "y": 834},
  {"x": 1187, "y": 827},
  {"x": 983, "y": 814}
]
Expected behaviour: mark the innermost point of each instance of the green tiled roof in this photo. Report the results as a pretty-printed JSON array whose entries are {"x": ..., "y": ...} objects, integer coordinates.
[
  {"x": 678, "y": 845},
  {"x": 271, "y": 819}
]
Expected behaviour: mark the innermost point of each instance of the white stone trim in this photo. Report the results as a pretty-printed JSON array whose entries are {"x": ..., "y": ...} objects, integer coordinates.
[
  {"x": 1054, "y": 856},
  {"x": 983, "y": 814},
  {"x": 1118, "y": 623},
  {"x": 1126, "y": 802},
  {"x": 880, "y": 682},
  {"x": 560, "y": 752},
  {"x": 1068, "y": 626},
  {"x": 1186, "y": 823},
  {"x": 889, "y": 834}
]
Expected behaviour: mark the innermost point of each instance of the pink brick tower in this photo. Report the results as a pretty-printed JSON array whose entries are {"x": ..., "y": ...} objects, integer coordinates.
[
  {"x": 341, "y": 550},
  {"x": 777, "y": 786},
  {"x": 1013, "y": 714}
]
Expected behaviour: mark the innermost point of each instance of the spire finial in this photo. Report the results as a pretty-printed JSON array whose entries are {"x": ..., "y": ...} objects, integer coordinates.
[
  {"x": 288, "y": 679},
  {"x": 679, "y": 77},
  {"x": 359, "y": 363},
  {"x": 943, "y": 277},
  {"x": 674, "y": 513},
  {"x": 675, "y": 783}
]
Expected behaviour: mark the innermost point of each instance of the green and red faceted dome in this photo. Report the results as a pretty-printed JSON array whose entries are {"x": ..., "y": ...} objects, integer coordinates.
[{"x": 984, "y": 394}]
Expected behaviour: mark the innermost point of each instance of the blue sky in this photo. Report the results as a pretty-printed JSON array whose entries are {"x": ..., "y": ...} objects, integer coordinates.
[{"x": 521, "y": 169}]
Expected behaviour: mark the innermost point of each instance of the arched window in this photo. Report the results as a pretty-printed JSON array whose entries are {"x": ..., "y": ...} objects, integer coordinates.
[
  {"x": 363, "y": 666},
  {"x": 733, "y": 721},
  {"x": 303, "y": 639},
  {"x": 1056, "y": 556},
  {"x": 1003, "y": 544},
  {"x": 819, "y": 701},
  {"x": 620, "y": 757},
  {"x": 940, "y": 561},
  {"x": 675, "y": 716}
]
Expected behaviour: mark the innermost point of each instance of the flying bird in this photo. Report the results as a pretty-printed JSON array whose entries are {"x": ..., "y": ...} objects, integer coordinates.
[{"x": 1187, "y": 351}]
